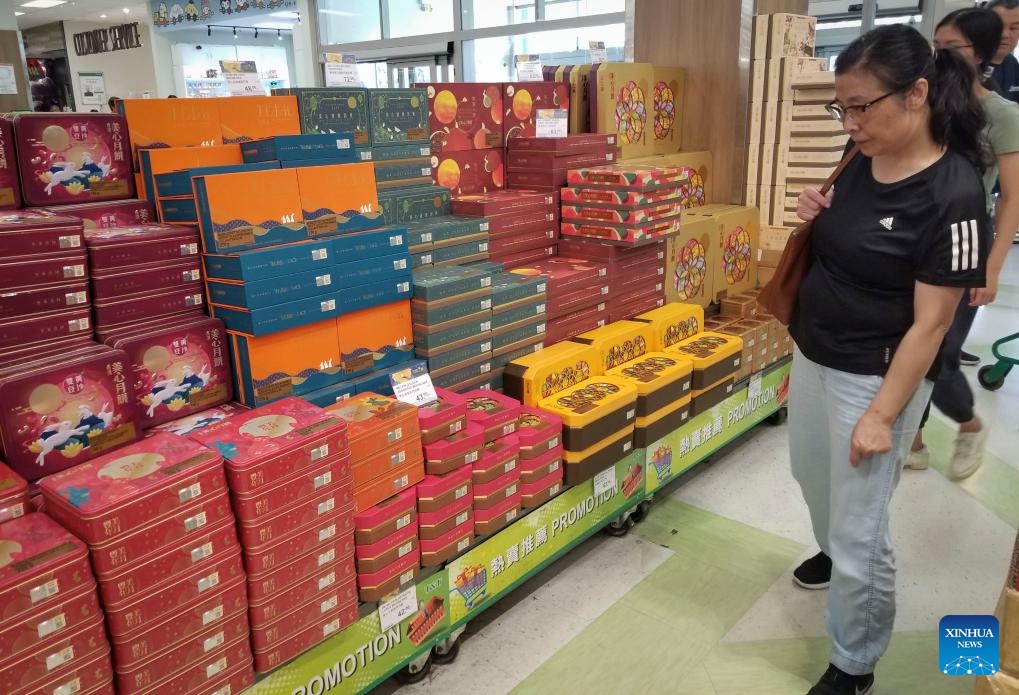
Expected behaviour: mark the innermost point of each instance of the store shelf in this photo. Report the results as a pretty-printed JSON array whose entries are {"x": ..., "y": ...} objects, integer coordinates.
[{"x": 364, "y": 655}]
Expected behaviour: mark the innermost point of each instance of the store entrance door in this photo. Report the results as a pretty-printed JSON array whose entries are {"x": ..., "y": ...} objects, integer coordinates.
[{"x": 408, "y": 71}]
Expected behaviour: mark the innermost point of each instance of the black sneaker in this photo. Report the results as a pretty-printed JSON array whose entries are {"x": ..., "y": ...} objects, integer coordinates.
[
  {"x": 814, "y": 573},
  {"x": 838, "y": 682},
  {"x": 968, "y": 359}
]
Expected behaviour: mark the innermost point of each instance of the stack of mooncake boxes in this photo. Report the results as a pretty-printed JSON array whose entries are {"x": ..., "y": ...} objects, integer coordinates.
[
  {"x": 636, "y": 275},
  {"x": 541, "y": 163},
  {"x": 523, "y": 226},
  {"x": 578, "y": 294},
  {"x": 160, "y": 529},
  {"x": 288, "y": 468}
]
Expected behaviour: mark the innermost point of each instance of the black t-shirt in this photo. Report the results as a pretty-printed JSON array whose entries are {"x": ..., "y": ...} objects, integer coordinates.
[
  {"x": 1006, "y": 78},
  {"x": 871, "y": 247}
]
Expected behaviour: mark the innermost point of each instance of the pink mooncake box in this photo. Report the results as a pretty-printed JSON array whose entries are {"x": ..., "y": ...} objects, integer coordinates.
[
  {"x": 458, "y": 515},
  {"x": 461, "y": 449},
  {"x": 147, "y": 243},
  {"x": 43, "y": 300},
  {"x": 10, "y": 186},
  {"x": 271, "y": 443},
  {"x": 178, "y": 370},
  {"x": 73, "y": 157},
  {"x": 47, "y": 667},
  {"x": 34, "y": 630},
  {"x": 30, "y": 233},
  {"x": 184, "y": 426},
  {"x": 40, "y": 563},
  {"x": 14, "y": 501},
  {"x": 149, "y": 277},
  {"x": 498, "y": 459},
  {"x": 129, "y": 310},
  {"x": 438, "y": 491},
  {"x": 133, "y": 486},
  {"x": 298, "y": 488},
  {"x": 540, "y": 466},
  {"x": 44, "y": 269},
  {"x": 443, "y": 417},
  {"x": 66, "y": 411},
  {"x": 539, "y": 431},
  {"x": 45, "y": 328},
  {"x": 496, "y": 413},
  {"x": 103, "y": 215},
  {"x": 386, "y": 518}
]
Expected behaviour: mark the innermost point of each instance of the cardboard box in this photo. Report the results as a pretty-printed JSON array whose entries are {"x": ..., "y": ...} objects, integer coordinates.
[
  {"x": 692, "y": 260},
  {"x": 464, "y": 116},
  {"x": 624, "y": 96},
  {"x": 813, "y": 95},
  {"x": 256, "y": 117},
  {"x": 667, "y": 100},
  {"x": 339, "y": 198},
  {"x": 233, "y": 221},
  {"x": 761, "y": 33},
  {"x": 375, "y": 338},
  {"x": 332, "y": 110},
  {"x": 470, "y": 172},
  {"x": 398, "y": 116},
  {"x": 521, "y": 101},
  {"x": 791, "y": 35},
  {"x": 162, "y": 123},
  {"x": 783, "y": 73}
]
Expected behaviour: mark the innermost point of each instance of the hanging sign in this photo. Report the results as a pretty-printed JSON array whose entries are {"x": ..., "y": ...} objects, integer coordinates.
[
  {"x": 108, "y": 39},
  {"x": 93, "y": 88},
  {"x": 242, "y": 79},
  {"x": 598, "y": 53},
  {"x": 341, "y": 70},
  {"x": 528, "y": 68}
]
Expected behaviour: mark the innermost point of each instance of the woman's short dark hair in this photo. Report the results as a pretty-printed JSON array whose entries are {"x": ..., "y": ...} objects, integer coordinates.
[
  {"x": 898, "y": 55},
  {"x": 982, "y": 29}
]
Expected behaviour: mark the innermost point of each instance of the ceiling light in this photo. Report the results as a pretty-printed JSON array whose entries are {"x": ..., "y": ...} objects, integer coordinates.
[
  {"x": 338, "y": 13},
  {"x": 286, "y": 15},
  {"x": 127, "y": 10},
  {"x": 18, "y": 14},
  {"x": 102, "y": 16},
  {"x": 43, "y": 4}
]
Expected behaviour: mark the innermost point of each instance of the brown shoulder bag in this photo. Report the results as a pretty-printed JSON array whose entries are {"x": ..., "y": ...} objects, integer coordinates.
[{"x": 780, "y": 294}]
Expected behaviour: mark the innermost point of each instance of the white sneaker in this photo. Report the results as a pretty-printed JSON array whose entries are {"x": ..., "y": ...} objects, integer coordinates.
[
  {"x": 969, "y": 453},
  {"x": 919, "y": 460}
]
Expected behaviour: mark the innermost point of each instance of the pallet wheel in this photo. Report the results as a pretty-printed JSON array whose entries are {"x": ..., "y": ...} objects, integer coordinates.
[
  {"x": 778, "y": 417},
  {"x": 446, "y": 651},
  {"x": 991, "y": 378},
  {"x": 620, "y": 526},
  {"x": 416, "y": 671},
  {"x": 640, "y": 512}
]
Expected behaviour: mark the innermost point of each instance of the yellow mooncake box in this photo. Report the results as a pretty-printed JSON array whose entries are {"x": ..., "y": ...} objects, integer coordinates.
[
  {"x": 661, "y": 379},
  {"x": 592, "y": 408},
  {"x": 542, "y": 374},
  {"x": 672, "y": 323},
  {"x": 617, "y": 342},
  {"x": 714, "y": 355},
  {"x": 579, "y": 466},
  {"x": 648, "y": 430}
]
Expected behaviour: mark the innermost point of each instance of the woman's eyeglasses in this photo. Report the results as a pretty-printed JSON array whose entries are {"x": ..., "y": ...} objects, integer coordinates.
[{"x": 839, "y": 112}]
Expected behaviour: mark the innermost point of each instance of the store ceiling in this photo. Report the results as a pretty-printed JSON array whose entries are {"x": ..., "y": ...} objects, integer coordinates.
[{"x": 82, "y": 11}]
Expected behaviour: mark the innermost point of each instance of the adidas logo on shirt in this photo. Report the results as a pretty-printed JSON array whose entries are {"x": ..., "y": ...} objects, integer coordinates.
[
  {"x": 965, "y": 246},
  {"x": 887, "y": 223}
]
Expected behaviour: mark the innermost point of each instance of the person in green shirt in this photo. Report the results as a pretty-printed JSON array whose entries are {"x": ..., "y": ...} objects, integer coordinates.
[{"x": 976, "y": 34}]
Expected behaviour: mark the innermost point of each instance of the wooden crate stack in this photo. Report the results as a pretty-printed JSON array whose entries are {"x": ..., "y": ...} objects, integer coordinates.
[{"x": 792, "y": 142}]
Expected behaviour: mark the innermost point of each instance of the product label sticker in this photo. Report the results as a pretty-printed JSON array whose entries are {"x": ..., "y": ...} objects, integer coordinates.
[
  {"x": 598, "y": 52},
  {"x": 399, "y": 608},
  {"x": 59, "y": 659},
  {"x": 552, "y": 123},
  {"x": 212, "y": 615},
  {"x": 44, "y": 591},
  {"x": 605, "y": 481},
  {"x": 528, "y": 68}
]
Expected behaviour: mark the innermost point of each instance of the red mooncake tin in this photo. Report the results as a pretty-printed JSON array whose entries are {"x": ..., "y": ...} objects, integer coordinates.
[
  {"x": 268, "y": 501},
  {"x": 179, "y": 527},
  {"x": 184, "y": 426},
  {"x": 270, "y": 443},
  {"x": 36, "y": 629},
  {"x": 309, "y": 613},
  {"x": 30, "y": 233},
  {"x": 132, "y": 487},
  {"x": 337, "y": 498},
  {"x": 44, "y": 299},
  {"x": 199, "y": 674},
  {"x": 385, "y": 518},
  {"x": 41, "y": 562},
  {"x": 44, "y": 667},
  {"x": 45, "y": 328},
  {"x": 147, "y": 243},
  {"x": 462, "y": 449},
  {"x": 336, "y": 554},
  {"x": 127, "y": 310},
  {"x": 336, "y": 530},
  {"x": 337, "y": 578},
  {"x": 121, "y": 213},
  {"x": 336, "y": 620},
  {"x": 44, "y": 269},
  {"x": 94, "y": 676},
  {"x": 150, "y": 277},
  {"x": 66, "y": 412}
]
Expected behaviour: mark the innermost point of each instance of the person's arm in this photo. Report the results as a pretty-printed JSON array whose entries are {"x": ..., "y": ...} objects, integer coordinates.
[
  {"x": 933, "y": 310},
  {"x": 1006, "y": 223}
]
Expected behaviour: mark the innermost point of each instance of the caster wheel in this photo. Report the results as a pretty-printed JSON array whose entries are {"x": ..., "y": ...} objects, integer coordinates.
[
  {"x": 619, "y": 526},
  {"x": 987, "y": 378},
  {"x": 410, "y": 674},
  {"x": 778, "y": 417},
  {"x": 640, "y": 512},
  {"x": 449, "y": 657}
]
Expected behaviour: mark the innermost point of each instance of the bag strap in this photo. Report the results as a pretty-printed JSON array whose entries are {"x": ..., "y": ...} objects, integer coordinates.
[{"x": 830, "y": 181}]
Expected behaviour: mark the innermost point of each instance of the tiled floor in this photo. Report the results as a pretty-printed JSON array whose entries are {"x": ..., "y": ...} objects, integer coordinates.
[{"x": 698, "y": 599}]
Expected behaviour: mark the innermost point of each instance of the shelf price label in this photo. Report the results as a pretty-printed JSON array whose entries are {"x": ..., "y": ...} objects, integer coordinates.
[
  {"x": 399, "y": 608},
  {"x": 605, "y": 482},
  {"x": 598, "y": 52},
  {"x": 242, "y": 78},
  {"x": 552, "y": 123},
  {"x": 528, "y": 68},
  {"x": 341, "y": 70},
  {"x": 414, "y": 385}
]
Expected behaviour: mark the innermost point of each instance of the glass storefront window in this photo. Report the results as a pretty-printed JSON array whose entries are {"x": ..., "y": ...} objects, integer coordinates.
[
  {"x": 348, "y": 21},
  {"x": 567, "y": 9},
  {"x": 478, "y": 14},
  {"x": 419, "y": 17},
  {"x": 493, "y": 58}
]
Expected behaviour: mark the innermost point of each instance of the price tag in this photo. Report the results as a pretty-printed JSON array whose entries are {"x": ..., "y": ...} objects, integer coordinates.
[
  {"x": 399, "y": 608},
  {"x": 341, "y": 70},
  {"x": 598, "y": 52},
  {"x": 605, "y": 481},
  {"x": 754, "y": 390},
  {"x": 552, "y": 123},
  {"x": 241, "y": 77},
  {"x": 413, "y": 385},
  {"x": 528, "y": 68}
]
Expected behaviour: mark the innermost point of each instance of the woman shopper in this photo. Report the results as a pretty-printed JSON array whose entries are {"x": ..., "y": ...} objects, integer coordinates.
[
  {"x": 976, "y": 34},
  {"x": 903, "y": 232}
]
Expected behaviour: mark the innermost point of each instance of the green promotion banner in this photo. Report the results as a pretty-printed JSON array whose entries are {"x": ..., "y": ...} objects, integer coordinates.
[
  {"x": 496, "y": 566},
  {"x": 370, "y": 649},
  {"x": 711, "y": 430}
]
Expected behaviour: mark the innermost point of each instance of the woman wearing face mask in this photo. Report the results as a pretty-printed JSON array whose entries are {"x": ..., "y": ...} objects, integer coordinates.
[
  {"x": 893, "y": 247},
  {"x": 975, "y": 34}
]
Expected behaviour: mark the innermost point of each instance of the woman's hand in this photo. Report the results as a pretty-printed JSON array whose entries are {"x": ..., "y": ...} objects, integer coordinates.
[
  {"x": 983, "y": 296},
  {"x": 811, "y": 203},
  {"x": 872, "y": 435}
]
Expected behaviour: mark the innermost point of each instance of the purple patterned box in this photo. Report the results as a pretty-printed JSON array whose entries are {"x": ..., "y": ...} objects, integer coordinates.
[
  {"x": 151, "y": 277},
  {"x": 147, "y": 243},
  {"x": 47, "y": 269},
  {"x": 42, "y": 328},
  {"x": 10, "y": 187},
  {"x": 65, "y": 410},
  {"x": 114, "y": 312},
  {"x": 30, "y": 232},
  {"x": 73, "y": 158},
  {"x": 107, "y": 214}
]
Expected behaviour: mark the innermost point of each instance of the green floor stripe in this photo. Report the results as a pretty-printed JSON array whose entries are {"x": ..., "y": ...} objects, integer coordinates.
[
  {"x": 995, "y": 484},
  {"x": 661, "y": 630},
  {"x": 790, "y": 666}
]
